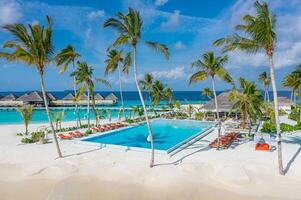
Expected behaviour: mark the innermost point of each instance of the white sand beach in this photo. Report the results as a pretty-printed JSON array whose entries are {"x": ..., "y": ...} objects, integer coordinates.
[{"x": 33, "y": 171}]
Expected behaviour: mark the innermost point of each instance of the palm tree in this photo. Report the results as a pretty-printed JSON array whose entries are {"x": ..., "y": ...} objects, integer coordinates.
[
  {"x": 248, "y": 101},
  {"x": 207, "y": 92},
  {"x": 168, "y": 97},
  {"x": 157, "y": 92},
  {"x": 146, "y": 84},
  {"x": 113, "y": 63},
  {"x": 67, "y": 56},
  {"x": 259, "y": 34},
  {"x": 265, "y": 80},
  {"x": 26, "y": 114},
  {"x": 33, "y": 46},
  {"x": 129, "y": 27},
  {"x": 211, "y": 67},
  {"x": 58, "y": 118},
  {"x": 84, "y": 76},
  {"x": 293, "y": 81}
]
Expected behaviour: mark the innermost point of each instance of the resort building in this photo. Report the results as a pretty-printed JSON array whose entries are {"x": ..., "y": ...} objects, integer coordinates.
[
  {"x": 10, "y": 100},
  {"x": 285, "y": 103},
  {"x": 224, "y": 106},
  {"x": 36, "y": 98},
  {"x": 112, "y": 97}
]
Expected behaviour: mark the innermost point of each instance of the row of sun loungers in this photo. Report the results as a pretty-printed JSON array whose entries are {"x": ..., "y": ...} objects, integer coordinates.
[
  {"x": 225, "y": 140},
  {"x": 103, "y": 128}
]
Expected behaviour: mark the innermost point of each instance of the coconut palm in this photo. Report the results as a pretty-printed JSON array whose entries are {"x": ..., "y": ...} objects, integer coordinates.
[
  {"x": 207, "y": 92},
  {"x": 211, "y": 67},
  {"x": 33, "y": 46},
  {"x": 247, "y": 100},
  {"x": 68, "y": 56},
  {"x": 26, "y": 114},
  {"x": 157, "y": 92},
  {"x": 265, "y": 80},
  {"x": 259, "y": 35},
  {"x": 58, "y": 118},
  {"x": 146, "y": 84},
  {"x": 84, "y": 76},
  {"x": 293, "y": 81},
  {"x": 113, "y": 63},
  {"x": 168, "y": 97},
  {"x": 129, "y": 27}
]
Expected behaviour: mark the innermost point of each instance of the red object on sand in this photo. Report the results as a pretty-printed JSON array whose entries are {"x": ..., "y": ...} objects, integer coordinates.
[{"x": 262, "y": 147}]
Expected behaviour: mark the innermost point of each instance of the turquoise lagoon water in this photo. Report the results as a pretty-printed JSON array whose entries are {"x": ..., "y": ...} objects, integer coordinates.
[
  {"x": 11, "y": 116},
  {"x": 166, "y": 134}
]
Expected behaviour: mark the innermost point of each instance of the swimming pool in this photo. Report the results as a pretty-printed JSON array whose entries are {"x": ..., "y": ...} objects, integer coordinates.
[{"x": 167, "y": 134}]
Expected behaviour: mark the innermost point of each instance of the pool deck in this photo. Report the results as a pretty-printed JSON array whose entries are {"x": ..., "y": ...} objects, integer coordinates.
[{"x": 33, "y": 171}]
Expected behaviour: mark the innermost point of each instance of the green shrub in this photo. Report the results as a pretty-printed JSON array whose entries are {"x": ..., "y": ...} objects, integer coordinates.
[
  {"x": 19, "y": 134},
  {"x": 268, "y": 127},
  {"x": 36, "y": 136},
  {"x": 295, "y": 114},
  {"x": 26, "y": 140},
  {"x": 88, "y": 132}
]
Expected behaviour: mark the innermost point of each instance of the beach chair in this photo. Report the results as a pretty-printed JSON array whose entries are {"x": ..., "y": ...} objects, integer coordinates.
[
  {"x": 76, "y": 134},
  {"x": 64, "y": 137}
]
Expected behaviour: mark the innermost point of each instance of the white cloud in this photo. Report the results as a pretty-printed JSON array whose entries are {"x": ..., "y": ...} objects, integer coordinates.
[
  {"x": 176, "y": 73},
  {"x": 95, "y": 14},
  {"x": 9, "y": 12},
  {"x": 172, "y": 22},
  {"x": 160, "y": 2},
  {"x": 180, "y": 45}
]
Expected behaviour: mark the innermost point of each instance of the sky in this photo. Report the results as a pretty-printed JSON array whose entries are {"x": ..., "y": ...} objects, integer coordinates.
[{"x": 188, "y": 28}]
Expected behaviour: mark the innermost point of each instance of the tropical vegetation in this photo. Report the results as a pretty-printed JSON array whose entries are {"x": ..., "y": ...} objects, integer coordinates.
[
  {"x": 129, "y": 27},
  {"x": 26, "y": 114},
  {"x": 258, "y": 35},
  {"x": 33, "y": 46}
]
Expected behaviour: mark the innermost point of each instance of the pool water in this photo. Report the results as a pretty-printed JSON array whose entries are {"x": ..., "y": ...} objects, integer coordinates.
[{"x": 166, "y": 133}]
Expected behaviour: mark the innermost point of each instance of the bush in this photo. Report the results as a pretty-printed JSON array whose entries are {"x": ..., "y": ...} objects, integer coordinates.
[
  {"x": 295, "y": 114},
  {"x": 26, "y": 140},
  {"x": 19, "y": 134},
  {"x": 268, "y": 127},
  {"x": 36, "y": 136},
  {"x": 88, "y": 132}
]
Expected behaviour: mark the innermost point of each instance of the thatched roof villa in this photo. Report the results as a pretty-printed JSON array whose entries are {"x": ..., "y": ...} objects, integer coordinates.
[
  {"x": 10, "y": 100},
  {"x": 111, "y": 97},
  {"x": 223, "y": 104}
]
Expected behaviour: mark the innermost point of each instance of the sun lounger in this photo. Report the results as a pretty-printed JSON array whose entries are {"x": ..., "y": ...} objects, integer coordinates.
[
  {"x": 64, "y": 137},
  {"x": 76, "y": 134},
  {"x": 225, "y": 141},
  {"x": 262, "y": 147}
]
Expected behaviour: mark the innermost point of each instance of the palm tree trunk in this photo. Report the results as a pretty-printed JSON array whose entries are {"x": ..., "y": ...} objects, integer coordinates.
[
  {"x": 268, "y": 95},
  {"x": 150, "y": 135},
  {"x": 88, "y": 109},
  {"x": 121, "y": 94},
  {"x": 280, "y": 164},
  {"x": 26, "y": 129},
  {"x": 265, "y": 95},
  {"x": 217, "y": 114},
  {"x": 49, "y": 117},
  {"x": 78, "y": 122}
]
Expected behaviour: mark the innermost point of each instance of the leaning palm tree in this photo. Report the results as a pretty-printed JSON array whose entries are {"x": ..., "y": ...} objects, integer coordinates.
[
  {"x": 113, "y": 63},
  {"x": 146, "y": 84},
  {"x": 68, "y": 56},
  {"x": 259, "y": 35},
  {"x": 129, "y": 27},
  {"x": 157, "y": 92},
  {"x": 26, "y": 114},
  {"x": 211, "y": 67},
  {"x": 207, "y": 92},
  {"x": 84, "y": 76},
  {"x": 265, "y": 80},
  {"x": 247, "y": 100},
  {"x": 33, "y": 46}
]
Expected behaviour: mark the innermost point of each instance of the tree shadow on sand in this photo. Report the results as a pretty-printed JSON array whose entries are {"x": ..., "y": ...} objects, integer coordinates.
[{"x": 292, "y": 140}]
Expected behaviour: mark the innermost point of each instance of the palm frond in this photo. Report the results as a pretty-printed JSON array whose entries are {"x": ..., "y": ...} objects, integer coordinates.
[{"x": 158, "y": 47}]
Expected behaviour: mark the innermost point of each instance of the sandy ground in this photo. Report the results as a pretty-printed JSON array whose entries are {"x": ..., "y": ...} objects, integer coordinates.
[{"x": 33, "y": 171}]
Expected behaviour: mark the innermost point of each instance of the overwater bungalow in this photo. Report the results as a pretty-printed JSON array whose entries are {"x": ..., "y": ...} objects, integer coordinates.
[
  {"x": 36, "y": 98},
  {"x": 10, "y": 100},
  {"x": 112, "y": 97}
]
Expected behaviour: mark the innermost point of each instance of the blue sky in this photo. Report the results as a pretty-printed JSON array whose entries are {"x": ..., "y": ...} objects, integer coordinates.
[{"x": 188, "y": 28}]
